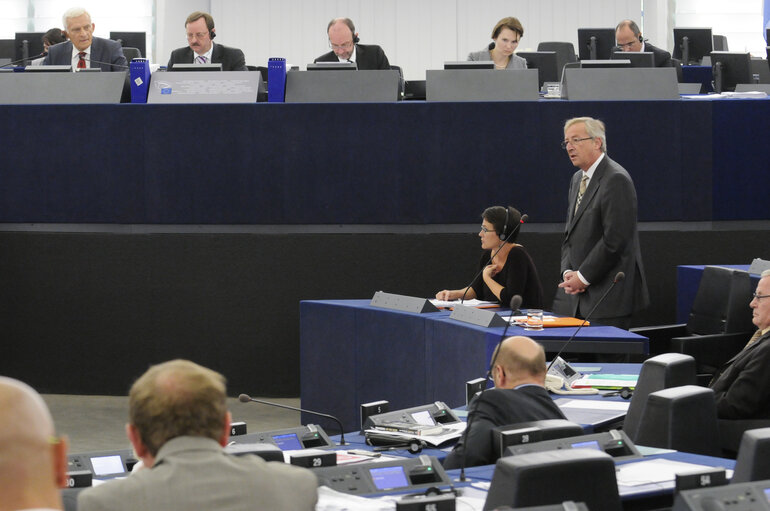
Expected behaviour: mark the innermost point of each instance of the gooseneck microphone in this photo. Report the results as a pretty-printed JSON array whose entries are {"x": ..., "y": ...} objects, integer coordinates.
[
  {"x": 515, "y": 304},
  {"x": 245, "y": 398},
  {"x": 524, "y": 218},
  {"x": 22, "y": 60},
  {"x": 618, "y": 277},
  {"x": 106, "y": 63}
]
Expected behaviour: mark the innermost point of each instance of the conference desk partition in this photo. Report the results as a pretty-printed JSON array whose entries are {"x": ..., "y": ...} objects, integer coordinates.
[{"x": 352, "y": 353}]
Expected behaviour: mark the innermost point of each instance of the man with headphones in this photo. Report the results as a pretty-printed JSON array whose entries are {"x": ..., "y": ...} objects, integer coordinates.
[
  {"x": 201, "y": 49},
  {"x": 343, "y": 40},
  {"x": 628, "y": 37}
]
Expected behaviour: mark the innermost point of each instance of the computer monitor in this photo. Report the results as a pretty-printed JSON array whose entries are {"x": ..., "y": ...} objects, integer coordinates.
[
  {"x": 196, "y": 67},
  {"x": 545, "y": 63},
  {"x": 637, "y": 58},
  {"x": 34, "y": 44},
  {"x": 605, "y": 64},
  {"x": 730, "y": 69},
  {"x": 7, "y": 49},
  {"x": 136, "y": 40},
  {"x": 470, "y": 64},
  {"x": 332, "y": 66},
  {"x": 595, "y": 43},
  {"x": 692, "y": 44}
]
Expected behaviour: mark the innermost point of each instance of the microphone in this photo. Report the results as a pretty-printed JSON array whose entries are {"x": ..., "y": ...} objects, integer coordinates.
[
  {"x": 106, "y": 63},
  {"x": 245, "y": 398},
  {"x": 515, "y": 304},
  {"x": 523, "y": 219},
  {"x": 618, "y": 277},
  {"x": 22, "y": 60}
]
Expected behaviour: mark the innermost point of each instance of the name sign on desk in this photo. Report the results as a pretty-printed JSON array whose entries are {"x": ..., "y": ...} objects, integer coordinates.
[
  {"x": 402, "y": 303},
  {"x": 481, "y": 85},
  {"x": 371, "y": 86},
  {"x": 621, "y": 84},
  {"x": 205, "y": 87},
  {"x": 479, "y": 317},
  {"x": 61, "y": 88}
]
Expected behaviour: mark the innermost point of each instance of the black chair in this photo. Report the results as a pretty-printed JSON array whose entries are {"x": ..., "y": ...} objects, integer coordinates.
[
  {"x": 401, "y": 83},
  {"x": 682, "y": 418},
  {"x": 719, "y": 324},
  {"x": 720, "y": 42},
  {"x": 552, "y": 477},
  {"x": 752, "y": 462},
  {"x": 658, "y": 373},
  {"x": 532, "y": 431},
  {"x": 131, "y": 53},
  {"x": 677, "y": 64},
  {"x": 731, "y": 433},
  {"x": 565, "y": 52}
]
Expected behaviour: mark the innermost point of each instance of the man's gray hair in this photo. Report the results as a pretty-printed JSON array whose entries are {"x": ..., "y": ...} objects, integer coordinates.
[
  {"x": 73, "y": 12},
  {"x": 594, "y": 128},
  {"x": 764, "y": 274}
]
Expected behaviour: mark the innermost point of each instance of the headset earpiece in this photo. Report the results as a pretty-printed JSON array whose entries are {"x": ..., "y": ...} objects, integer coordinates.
[
  {"x": 641, "y": 39},
  {"x": 355, "y": 39},
  {"x": 503, "y": 235},
  {"x": 212, "y": 34}
]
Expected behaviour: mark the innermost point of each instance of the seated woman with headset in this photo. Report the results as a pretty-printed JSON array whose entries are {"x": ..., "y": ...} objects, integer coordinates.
[
  {"x": 510, "y": 271},
  {"x": 505, "y": 39}
]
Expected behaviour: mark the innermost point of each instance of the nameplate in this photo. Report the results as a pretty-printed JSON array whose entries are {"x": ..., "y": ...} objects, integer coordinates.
[
  {"x": 368, "y": 86},
  {"x": 701, "y": 479},
  {"x": 238, "y": 428},
  {"x": 61, "y": 88},
  {"x": 482, "y": 85},
  {"x": 314, "y": 459},
  {"x": 79, "y": 479},
  {"x": 478, "y": 317},
  {"x": 443, "y": 502},
  {"x": 402, "y": 303},
  {"x": 205, "y": 87},
  {"x": 621, "y": 84}
]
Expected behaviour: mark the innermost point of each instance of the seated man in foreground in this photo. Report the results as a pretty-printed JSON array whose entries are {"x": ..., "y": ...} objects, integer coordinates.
[
  {"x": 742, "y": 386},
  {"x": 519, "y": 396},
  {"x": 178, "y": 426}
]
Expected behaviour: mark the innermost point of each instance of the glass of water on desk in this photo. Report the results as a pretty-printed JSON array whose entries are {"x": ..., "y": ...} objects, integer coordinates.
[{"x": 534, "y": 319}]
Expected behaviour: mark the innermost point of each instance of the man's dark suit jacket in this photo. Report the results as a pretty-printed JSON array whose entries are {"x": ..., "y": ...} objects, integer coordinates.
[
  {"x": 600, "y": 240},
  {"x": 368, "y": 57},
  {"x": 742, "y": 385},
  {"x": 662, "y": 57},
  {"x": 102, "y": 50},
  {"x": 232, "y": 59},
  {"x": 500, "y": 407}
]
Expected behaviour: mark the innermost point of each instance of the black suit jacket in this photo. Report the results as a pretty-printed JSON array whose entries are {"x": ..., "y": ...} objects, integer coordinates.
[
  {"x": 368, "y": 57},
  {"x": 232, "y": 59},
  {"x": 600, "y": 240},
  {"x": 500, "y": 407},
  {"x": 742, "y": 386},
  {"x": 662, "y": 57},
  {"x": 102, "y": 50}
]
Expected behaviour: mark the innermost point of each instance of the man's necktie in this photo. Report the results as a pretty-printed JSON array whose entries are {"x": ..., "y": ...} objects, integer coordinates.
[
  {"x": 82, "y": 60},
  {"x": 581, "y": 192},
  {"x": 753, "y": 339},
  {"x": 200, "y": 59}
]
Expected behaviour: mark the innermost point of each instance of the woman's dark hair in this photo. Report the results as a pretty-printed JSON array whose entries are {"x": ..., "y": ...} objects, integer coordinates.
[
  {"x": 496, "y": 215},
  {"x": 53, "y": 36}
]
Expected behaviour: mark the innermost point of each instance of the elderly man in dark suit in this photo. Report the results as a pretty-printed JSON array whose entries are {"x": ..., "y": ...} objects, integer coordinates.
[
  {"x": 343, "y": 40},
  {"x": 601, "y": 237},
  {"x": 742, "y": 386},
  {"x": 629, "y": 37},
  {"x": 201, "y": 49},
  {"x": 83, "y": 50}
]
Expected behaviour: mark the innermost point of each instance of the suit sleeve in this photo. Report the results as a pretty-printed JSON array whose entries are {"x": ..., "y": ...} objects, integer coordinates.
[
  {"x": 618, "y": 224},
  {"x": 239, "y": 60},
  {"x": 749, "y": 394},
  {"x": 566, "y": 264},
  {"x": 382, "y": 59},
  {"x": 479, "y": 441}
]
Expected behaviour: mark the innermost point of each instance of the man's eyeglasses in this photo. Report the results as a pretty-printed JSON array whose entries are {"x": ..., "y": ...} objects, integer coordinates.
[
  {"x": 626, "y": 45},
  {"x": 573, "y": 142},
  {"x": 759, "y": 297},
  {"x": 198, "y": 35},
  {"x": 345, "y": 46},
  {"x": 485, "y": 230}
]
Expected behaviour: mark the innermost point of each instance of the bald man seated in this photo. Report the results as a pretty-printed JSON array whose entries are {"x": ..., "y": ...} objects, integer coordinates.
[
  {"x": 33, "y": 461},
  {"x": 519, "y": 396}
]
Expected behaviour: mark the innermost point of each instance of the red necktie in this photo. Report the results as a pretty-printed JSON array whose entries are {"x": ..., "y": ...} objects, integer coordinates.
[{"x": 82, "y": 61}]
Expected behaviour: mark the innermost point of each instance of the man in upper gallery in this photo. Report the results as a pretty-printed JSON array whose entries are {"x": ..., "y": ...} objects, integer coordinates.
[
  {"x": 201, "y": 49},
  {"x": 628, "y": 37},
  {"x": 343, "y": 40},
  {"x": 83, "y": 50}
]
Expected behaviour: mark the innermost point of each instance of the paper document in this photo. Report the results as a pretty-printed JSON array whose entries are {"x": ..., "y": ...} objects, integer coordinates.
[
  {"x": 593, "y": 404},
  {"x": 448, "y": 304},
  {"x": 655, "y": 471},
  {"x": 606, "y": 381},
  {"x": 451, "y": 431}
]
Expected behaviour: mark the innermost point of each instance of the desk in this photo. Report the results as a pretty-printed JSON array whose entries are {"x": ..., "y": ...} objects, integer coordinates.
[
  {"x": 351, "y": 353},
  {"x": 687, "y": 282}
]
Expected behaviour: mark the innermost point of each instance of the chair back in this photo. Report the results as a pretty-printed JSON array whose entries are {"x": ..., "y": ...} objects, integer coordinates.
[
  {"x": 131, "y": 53},
  {"x": 658, "y": 373},
  {"x": 565, "y": 53},
  {"x": 721, "y": 304},
  {"x": 720, "y": 42},
  {"x": 752, "y": 462}
]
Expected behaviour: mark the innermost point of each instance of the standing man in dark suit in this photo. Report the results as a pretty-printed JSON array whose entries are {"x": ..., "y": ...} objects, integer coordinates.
[
  {"x": 519, "y": 396},
  {"x": 201, "y": 49},
  {"x": 343, "y": 40},
  {"x": 83, "y": 50},
  {"x": 628, "y": 37},
  {"x": 742, "y": 386},
  {"x": 601, "y": 237}
]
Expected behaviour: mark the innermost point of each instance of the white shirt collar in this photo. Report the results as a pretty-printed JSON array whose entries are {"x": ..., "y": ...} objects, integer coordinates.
[
  {"x": 590, "y": 172},
  {"x": 352, "y": 56},
  {"x": 207, "y": 54}
]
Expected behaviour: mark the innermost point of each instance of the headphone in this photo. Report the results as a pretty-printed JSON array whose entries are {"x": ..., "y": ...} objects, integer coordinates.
[
  {"x": 625, "y": 393},
  {"x": 413, "y": 445},
  {"x": 212, "y": 34},
  {"x": 504, "y": 236}
]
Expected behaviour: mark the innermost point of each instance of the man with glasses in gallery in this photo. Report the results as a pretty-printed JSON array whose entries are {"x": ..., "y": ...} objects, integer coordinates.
[
  {"x": 201, "y": 49},
  {"x": 742, "y": 386},
  {"x": 343, "y": 40},
  {"x": 601, "y": 237}
]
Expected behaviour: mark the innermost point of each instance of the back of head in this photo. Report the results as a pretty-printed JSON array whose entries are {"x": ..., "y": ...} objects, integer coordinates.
[
  {"x": 505, "y": 221},
  {"x": 27, "y": 465},
  {"x": 177, "y": 398},
  {"x": 54, "y": 36},
  {"x": 523, "y": 359}
]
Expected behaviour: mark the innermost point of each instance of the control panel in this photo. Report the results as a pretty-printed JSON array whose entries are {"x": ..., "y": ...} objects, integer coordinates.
[{"x": 615, "y": 443}]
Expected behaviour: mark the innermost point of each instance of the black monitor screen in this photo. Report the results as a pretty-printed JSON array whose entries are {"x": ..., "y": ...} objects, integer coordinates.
[
  {"x": 637, "y": 58},
  {"x": 602, "y": 39},
  {"x": 730, "y": 69},
  {"x": 544, "y": 62},
  {"x": 699, "y": 44},
  {"x": 332, "y": 66},
  {"x": 591, "y": 444},
  {"x": 288, "y": 442},
  {"x": 34, "y": 44},
  {"x": 136, "y": 40},
  {"x": 386, "y": 478},
  {"x": 470, "y": 64}
]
